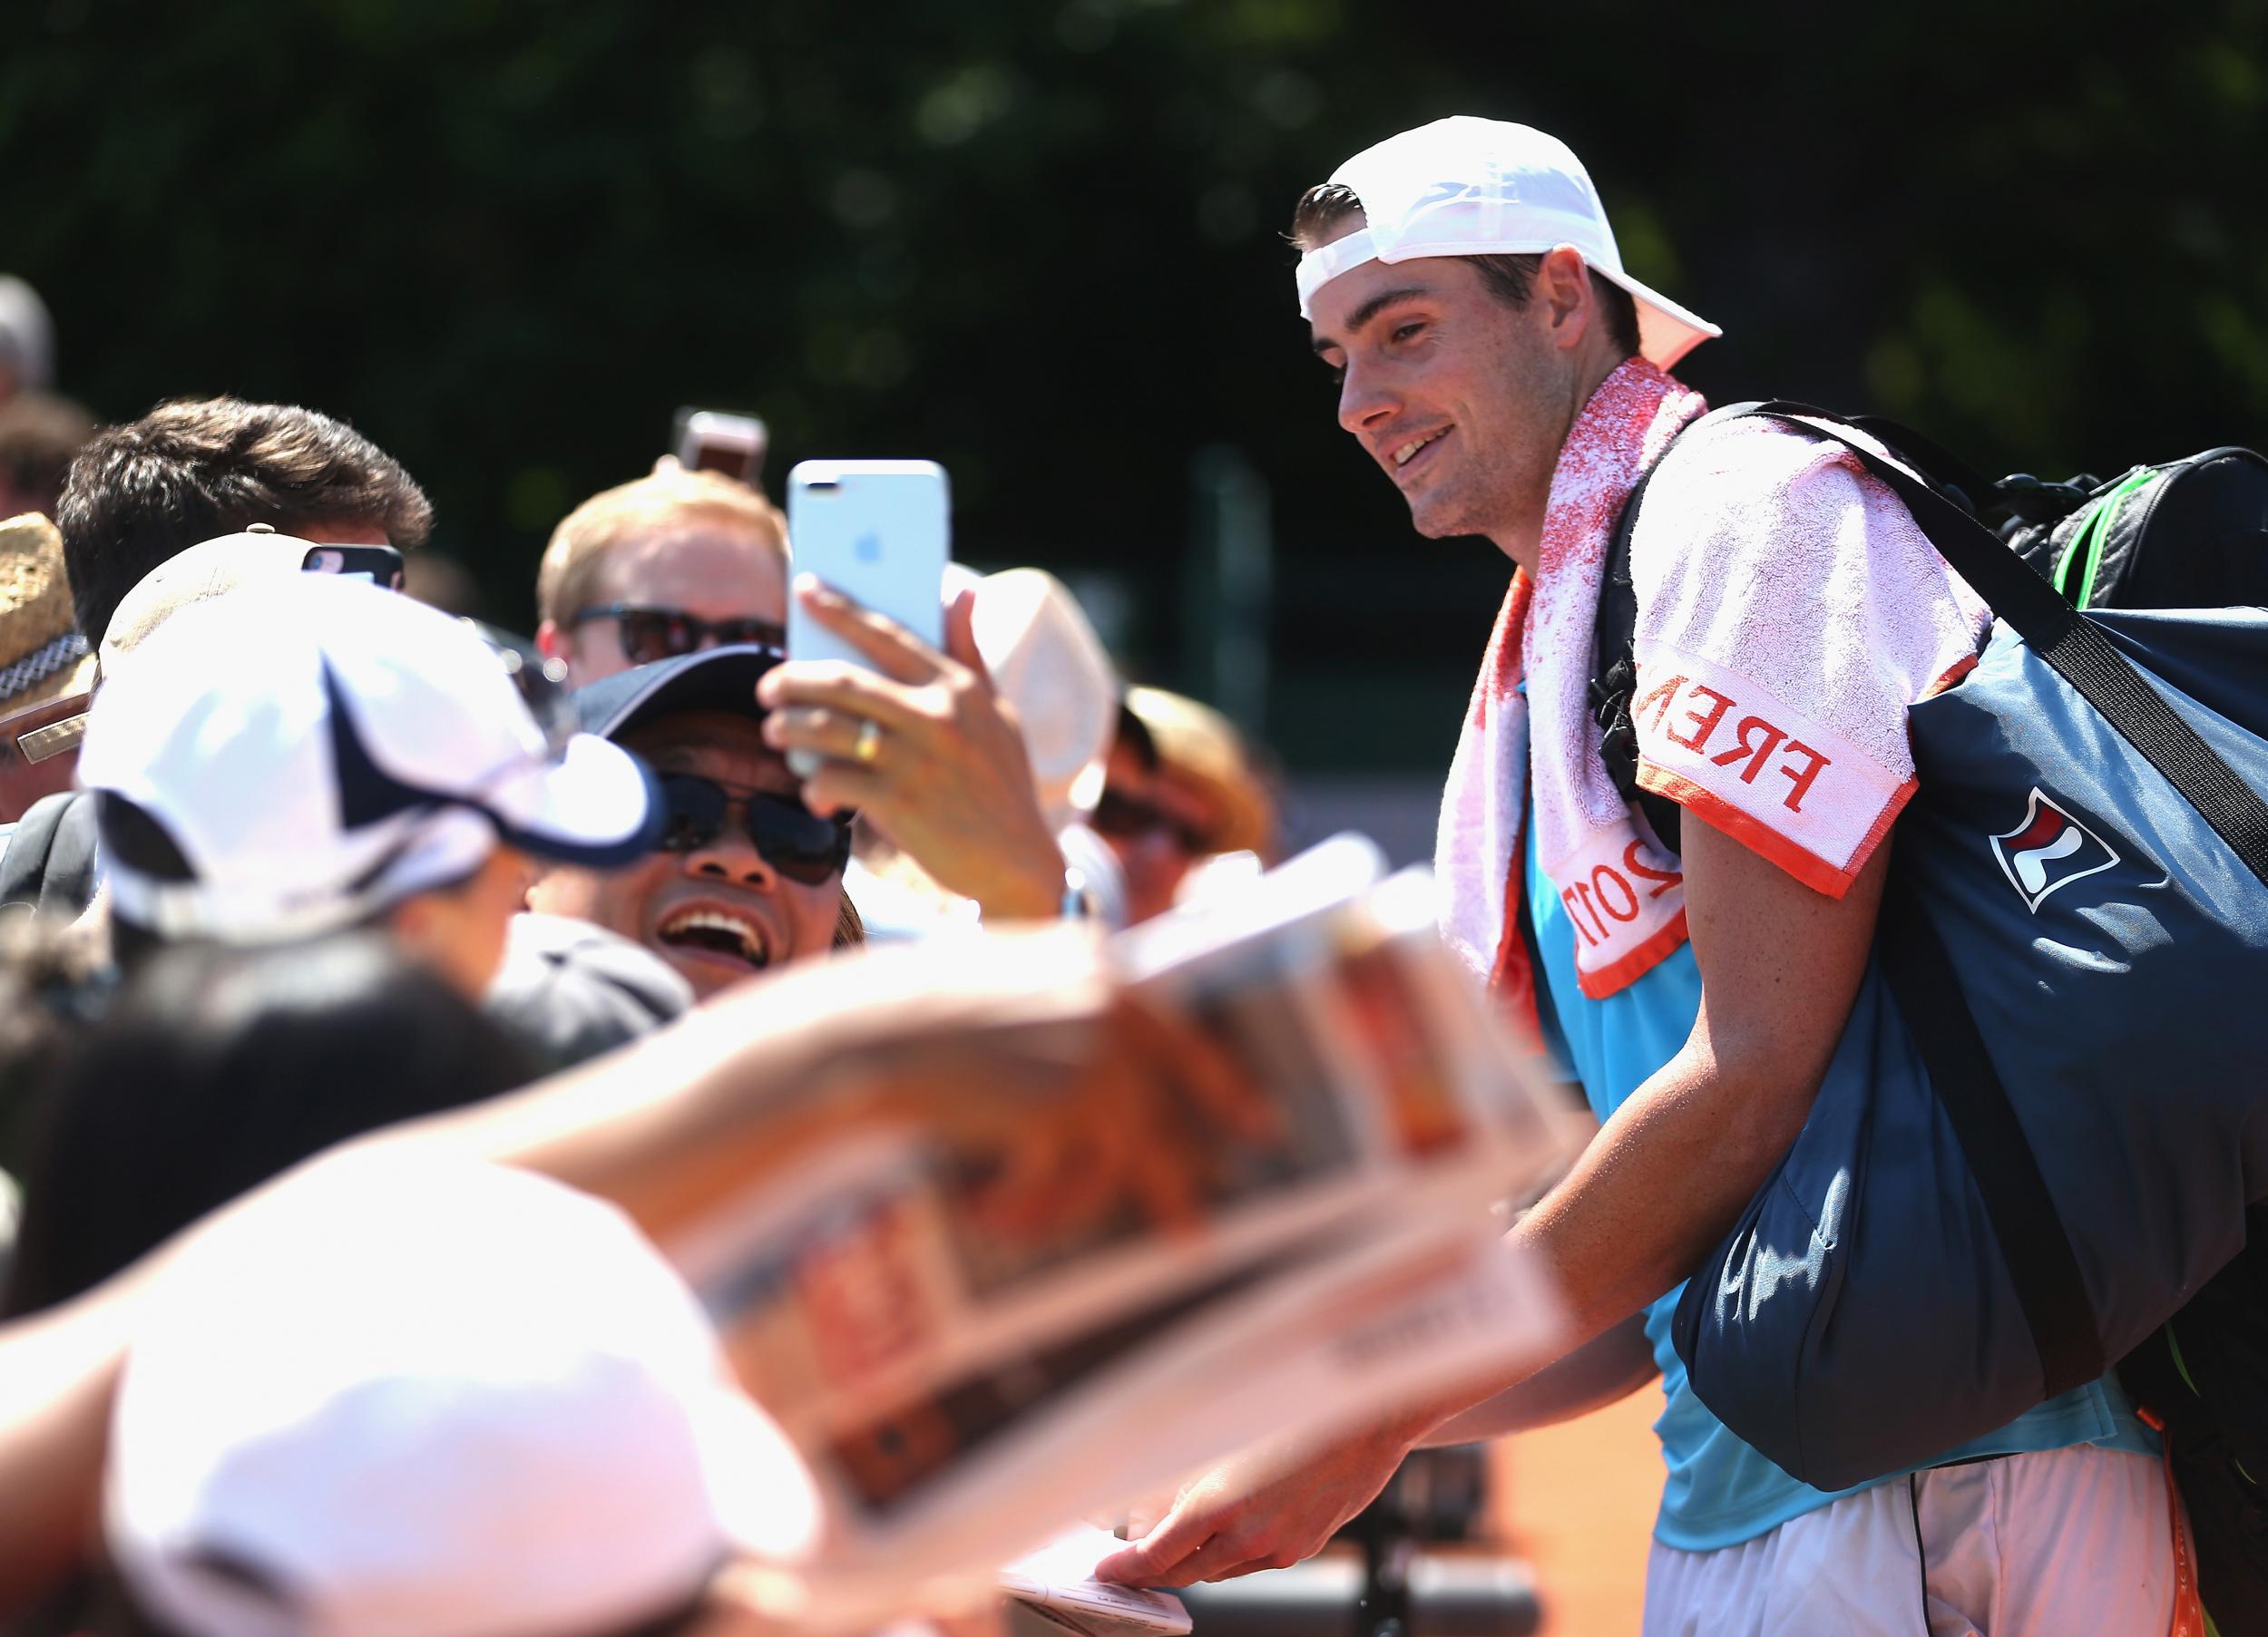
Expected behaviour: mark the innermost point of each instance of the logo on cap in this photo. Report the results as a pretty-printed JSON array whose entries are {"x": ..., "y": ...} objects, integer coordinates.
[
  {"x": 1442, "y": 193},
  {"x": 2050, "y": 849}
]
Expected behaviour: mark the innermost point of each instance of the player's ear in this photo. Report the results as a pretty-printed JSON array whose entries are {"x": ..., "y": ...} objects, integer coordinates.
[{"x": 1562, "y": 288}]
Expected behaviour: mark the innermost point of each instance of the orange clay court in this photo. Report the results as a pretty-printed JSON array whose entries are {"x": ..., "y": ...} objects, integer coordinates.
[{"x": 1577, "y": 1500}]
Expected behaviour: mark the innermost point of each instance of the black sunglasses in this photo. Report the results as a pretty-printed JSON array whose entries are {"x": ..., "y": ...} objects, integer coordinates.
[
  {"x": 799, "y": 843},
  {"x": 1129, "y": 818},
  {"x": 653, "y": 634}
]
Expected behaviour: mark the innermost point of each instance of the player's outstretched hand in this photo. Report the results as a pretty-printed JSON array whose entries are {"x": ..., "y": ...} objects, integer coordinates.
[{"x": 1266, "y": 1508}]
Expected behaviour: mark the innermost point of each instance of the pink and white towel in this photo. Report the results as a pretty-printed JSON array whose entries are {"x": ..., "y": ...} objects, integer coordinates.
[{"x": 1789, "y": 613}]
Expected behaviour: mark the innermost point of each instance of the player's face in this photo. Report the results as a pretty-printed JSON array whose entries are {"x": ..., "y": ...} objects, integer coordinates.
[{"x": 1451, "y": 389}]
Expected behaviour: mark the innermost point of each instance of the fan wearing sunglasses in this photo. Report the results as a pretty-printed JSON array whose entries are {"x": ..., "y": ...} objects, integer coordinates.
[
  {"x": 745, "y": 877},
  {"x": 671, "y": 564}
]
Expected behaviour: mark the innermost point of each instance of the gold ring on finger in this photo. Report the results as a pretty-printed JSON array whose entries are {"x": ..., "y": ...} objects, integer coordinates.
[{"x": 868, "y": 744}]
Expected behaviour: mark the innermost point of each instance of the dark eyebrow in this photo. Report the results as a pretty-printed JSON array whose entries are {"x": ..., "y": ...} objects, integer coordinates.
[
  {"x": 1370, "y": 309},
  {"x": 686, "y": 755},
  {"x": 669, "y": 754}
]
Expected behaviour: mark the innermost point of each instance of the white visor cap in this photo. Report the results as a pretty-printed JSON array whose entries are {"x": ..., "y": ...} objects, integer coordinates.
[
  {"x": 318, "y": 748},
  {"x": 1471, "y": 186},
  {"x": 415, "y": 1396}
]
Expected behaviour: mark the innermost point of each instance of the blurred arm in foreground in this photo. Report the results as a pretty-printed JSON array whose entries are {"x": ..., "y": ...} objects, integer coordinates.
[
  {"x": 993, "y": 1055},
  {"x": 1604, "y": 1371}
]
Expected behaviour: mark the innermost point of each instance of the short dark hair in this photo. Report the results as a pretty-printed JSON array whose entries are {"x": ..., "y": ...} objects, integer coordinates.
[
  {"x": 52, "y": 984},
  {"x": 213, "y": 1070},
  {"x": 195, "y": 468},
  {"x": 1510, "y": 277}
]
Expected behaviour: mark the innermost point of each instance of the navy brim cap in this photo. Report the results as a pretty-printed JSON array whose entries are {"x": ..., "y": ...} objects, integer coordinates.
[{"x": 717, "y": 678}]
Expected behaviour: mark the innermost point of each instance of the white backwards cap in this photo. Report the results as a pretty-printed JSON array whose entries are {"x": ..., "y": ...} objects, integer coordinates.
[{"x": 1471, "y": 186}]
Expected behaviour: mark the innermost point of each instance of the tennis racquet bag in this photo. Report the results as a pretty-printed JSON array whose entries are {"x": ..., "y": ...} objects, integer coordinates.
[{"x": 2047, "y": 1116}]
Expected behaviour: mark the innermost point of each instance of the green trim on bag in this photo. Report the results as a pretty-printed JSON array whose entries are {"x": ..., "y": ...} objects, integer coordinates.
[
  {"x": 2173, "y": 1345},
  {"x": 2093, "y": 533},
  {"x": 2174, "y": 1348}
]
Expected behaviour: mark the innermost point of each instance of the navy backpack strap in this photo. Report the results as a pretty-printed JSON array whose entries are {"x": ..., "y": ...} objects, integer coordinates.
[{"x": 1614, "y": 673}]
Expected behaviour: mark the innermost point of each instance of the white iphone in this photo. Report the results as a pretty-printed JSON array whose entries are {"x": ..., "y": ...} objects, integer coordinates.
[{"x": 878, "y": 532}]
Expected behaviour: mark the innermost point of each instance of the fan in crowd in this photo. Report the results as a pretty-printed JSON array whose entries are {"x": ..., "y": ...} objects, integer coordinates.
[
  {"x": 319, "y": 836},
  {"x": 659, "y": 567},
  {"x": 743, "y": 874},
  {"x": 1184, "y": 809}
]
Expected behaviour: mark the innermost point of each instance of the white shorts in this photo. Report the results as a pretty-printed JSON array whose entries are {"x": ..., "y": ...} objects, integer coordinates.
[{"x": 2025, "y": 1546}]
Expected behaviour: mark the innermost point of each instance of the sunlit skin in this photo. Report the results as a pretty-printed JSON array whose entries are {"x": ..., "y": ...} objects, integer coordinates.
[
  {"x": 948, "y": 781},
  {"x": 788, "y": 919},
  {"x": 1425, "y": 352},
  {"x": 347, "y": 532},
  {"x": 460, "y": 931},
  {"x": 1151, "y": 862},
  {"x": 711, "y": 567}
]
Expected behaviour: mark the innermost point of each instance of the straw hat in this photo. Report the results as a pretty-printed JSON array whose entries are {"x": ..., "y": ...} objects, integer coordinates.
[
  {"x": 43, "y": 655},
  {"x": 1199, "y": 747}
]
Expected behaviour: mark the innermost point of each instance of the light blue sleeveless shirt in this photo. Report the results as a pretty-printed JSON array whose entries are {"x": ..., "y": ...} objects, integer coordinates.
[{"x": 1719, "y": 1491}]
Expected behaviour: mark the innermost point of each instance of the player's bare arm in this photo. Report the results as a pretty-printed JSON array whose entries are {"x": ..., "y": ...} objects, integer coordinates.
[{"x": 1662, "y": 1183}]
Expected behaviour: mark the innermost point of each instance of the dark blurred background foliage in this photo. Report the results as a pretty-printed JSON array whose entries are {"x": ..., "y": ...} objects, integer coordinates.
[{"x": 1038, "y": 241}]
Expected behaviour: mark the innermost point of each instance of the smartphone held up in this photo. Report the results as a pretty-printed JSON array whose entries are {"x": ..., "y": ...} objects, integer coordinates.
[{"x": 878, "y": 532}]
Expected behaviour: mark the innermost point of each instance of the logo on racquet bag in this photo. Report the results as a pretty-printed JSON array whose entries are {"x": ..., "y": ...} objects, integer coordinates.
[{"x": 2050, "y": 849}]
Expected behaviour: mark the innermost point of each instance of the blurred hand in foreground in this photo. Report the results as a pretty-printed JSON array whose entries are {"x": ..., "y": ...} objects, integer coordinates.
[
  {"x": 924, "y": 747},
  {"x": 1266, "y": 1508}
]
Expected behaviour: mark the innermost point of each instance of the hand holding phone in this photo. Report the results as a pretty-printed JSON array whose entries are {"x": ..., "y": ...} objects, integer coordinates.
[{"x": 951, "y": 788}]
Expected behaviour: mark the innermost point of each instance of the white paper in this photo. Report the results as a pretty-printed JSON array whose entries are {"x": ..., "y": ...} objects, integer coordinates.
[{"x": 1059, "y": 1579}]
